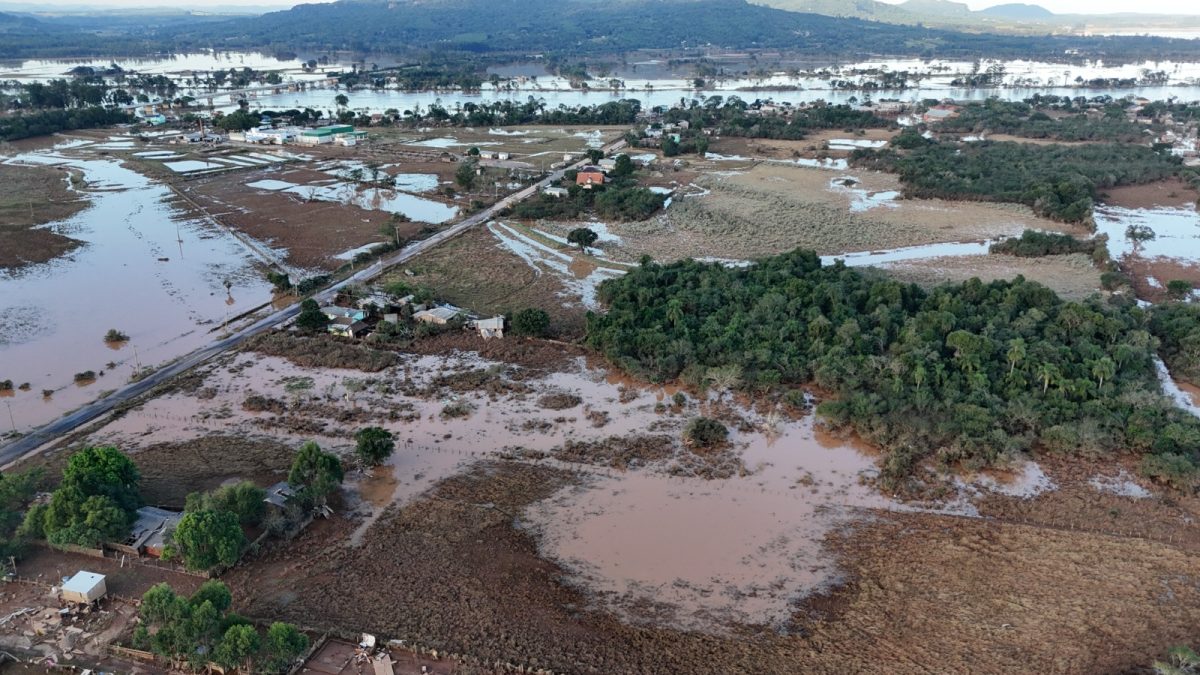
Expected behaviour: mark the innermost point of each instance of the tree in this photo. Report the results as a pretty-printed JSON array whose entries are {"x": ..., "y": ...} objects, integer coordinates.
[
  {"x": 315, "y": 473},
  {"x": 374, "y": 445},
  {"x": 311, "y": 319},
  {"x": 96, "y": 500},
  {"x": 238, "y": 120},
  {"x": 280, "y": 281},
  {"x": 582, "y": 237},
  {"x": 239, "y": 643},
  {"x": 284, "y": 644},
  {"x": 1182, "y": 661},
  {"x": 1178, "y": 289},
  {"x": 16, "y": 491},
  {"x": 465, "y": 175},
  {"x": 207, "y": 539},
  {"x": 243, "y": 499},
  {"x": 341, "y": 100},
  {"x": 215, "y": 592},
  {"x": 595, "y": 155},
  {"x": 624, "y": 166},
  {"x": 531, "y": 321}
]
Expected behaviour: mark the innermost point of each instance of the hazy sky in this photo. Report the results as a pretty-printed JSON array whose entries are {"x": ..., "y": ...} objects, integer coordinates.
[
  {"x": 1060, "y": 6},
  {"x": 1097, "y": 6}
]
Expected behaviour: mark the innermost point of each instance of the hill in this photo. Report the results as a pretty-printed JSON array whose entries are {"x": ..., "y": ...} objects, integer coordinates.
[
  {"x": 1020, "y": 11},
  {"x": 936, "y": 8}
]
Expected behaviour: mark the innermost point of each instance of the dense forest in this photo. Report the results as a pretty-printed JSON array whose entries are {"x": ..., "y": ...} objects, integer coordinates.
[
  {"x": 969, "y": 374},
  {"x": 1057, "y": 181},
  {"x": 28, "y": 125},
  {"x": 1177, "y": 326},
  {"x": 1025, "y": 120}
]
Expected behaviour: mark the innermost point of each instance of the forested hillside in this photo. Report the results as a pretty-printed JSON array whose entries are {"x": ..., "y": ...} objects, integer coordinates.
[{"x": 971, "y": 373}]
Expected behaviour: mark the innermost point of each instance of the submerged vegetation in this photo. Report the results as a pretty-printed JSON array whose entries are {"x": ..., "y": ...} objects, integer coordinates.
[{"x": 972, "y": 374}]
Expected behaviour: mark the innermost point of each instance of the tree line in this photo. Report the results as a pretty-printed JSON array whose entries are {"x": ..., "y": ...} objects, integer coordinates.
[
  {"x": 1057, "y": 181},
  {"x": 968, "y": 374},
  {"x": 27, "y": 125}
]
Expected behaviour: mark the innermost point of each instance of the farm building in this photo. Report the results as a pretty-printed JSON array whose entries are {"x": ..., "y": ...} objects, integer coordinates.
[
  {"x": 490, "y": 328},
  {"x": 334, "y": 313},
  {"x": 558, "y": 192},
  {"x": 84, "y": 588},
  {"x": 330, "y": 134}
]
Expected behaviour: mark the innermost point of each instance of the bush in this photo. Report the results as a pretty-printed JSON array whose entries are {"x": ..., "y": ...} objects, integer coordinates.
[
  {"x": 1173, "y": 469},
  {"x": 114, "y": 335},
  {"x": 374, "y": 445},
  {"x": 1032, "y": 244},
  {"x": 704, "y": 432},
  {"x": 531, "y": 321}
]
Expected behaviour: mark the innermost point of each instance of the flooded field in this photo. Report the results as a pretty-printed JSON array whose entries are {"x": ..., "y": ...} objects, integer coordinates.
[{"x": 146, "y": 268}]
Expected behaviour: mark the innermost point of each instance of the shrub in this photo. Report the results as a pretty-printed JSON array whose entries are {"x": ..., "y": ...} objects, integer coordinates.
[
  {"x": 1169, "y": 468},
  {"x": 531, "y": 321},
  {"x": 704, "y": 432}
]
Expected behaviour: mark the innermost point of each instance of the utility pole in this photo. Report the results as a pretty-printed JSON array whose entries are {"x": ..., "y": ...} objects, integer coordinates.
[{"x": 11, "y": 421}]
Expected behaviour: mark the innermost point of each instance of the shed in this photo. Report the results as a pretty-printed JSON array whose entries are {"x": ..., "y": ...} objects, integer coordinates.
[
  {"x": 84, "y": 587},
  {"x": 347, "y": 327},
  {"x": 490, "y": 328},
  {"x": 556, "y": 192},
  {"x": 438, "y": 315}
]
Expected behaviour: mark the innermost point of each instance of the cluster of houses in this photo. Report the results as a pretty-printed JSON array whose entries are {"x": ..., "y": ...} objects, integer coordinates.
[{"x": 351, "y": 322}]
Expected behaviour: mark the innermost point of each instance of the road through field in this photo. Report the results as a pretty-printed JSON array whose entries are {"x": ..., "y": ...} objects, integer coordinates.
[{"x": 32, "y": 441}]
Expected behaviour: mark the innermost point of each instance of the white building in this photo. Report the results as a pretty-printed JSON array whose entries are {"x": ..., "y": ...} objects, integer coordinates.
[{"x": 84, "y": 588}]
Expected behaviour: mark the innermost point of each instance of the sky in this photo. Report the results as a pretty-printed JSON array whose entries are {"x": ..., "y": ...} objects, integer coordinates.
[
  {"x": 1059, "y": 6},
  {"x": 1096, "y": 6}
]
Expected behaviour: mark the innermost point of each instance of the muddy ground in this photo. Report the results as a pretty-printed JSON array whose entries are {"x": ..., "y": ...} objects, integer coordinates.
[
  {"x": 1073, "y": 277},
  {"x": 1173, "y": 192},
  {"x": 31, "y": 196},
  {"x": 922, "y": 593}
]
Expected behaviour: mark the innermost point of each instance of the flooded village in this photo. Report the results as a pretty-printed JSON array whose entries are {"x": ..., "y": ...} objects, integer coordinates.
[{"x": 236, "y": 309}]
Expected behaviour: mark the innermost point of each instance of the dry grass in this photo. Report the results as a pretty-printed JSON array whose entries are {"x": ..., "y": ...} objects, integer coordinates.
[
  {"x": 1072, "y": 277},
  {"x": 31, "y": 196}
]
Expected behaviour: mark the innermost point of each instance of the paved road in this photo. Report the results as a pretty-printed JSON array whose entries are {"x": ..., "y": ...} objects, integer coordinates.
[{"x": 91, "y": 411}]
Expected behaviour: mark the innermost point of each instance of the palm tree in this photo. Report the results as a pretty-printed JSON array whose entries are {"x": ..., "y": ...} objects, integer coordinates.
[
  {"x": 1103, "y": 368},
  {"x": 1016, "y": 353},
  {"x": 1047, "y": 372}
]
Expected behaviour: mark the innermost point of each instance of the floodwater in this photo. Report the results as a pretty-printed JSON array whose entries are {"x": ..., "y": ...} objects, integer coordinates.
[
  {"x": 378, "y": 199},
  {"x": 145, "y": 268},
  {"x": 1176, "y": 232},
  {"x": 741, "y": 549},
  {"x": 653, "y": 86}
]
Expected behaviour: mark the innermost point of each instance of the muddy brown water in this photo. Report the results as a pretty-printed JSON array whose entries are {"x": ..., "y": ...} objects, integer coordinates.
[
  {"x": 707, "y": 553},
  {"x": 146, "y": 268}
]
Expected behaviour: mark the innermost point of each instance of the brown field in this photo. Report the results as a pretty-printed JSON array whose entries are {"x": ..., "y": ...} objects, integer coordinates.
[
  {"x": 1173, "y": 192},
  {"x": 1164, "y": 270},
  {"x": 31, "y": 196},
  {"x": 1073, "y": 277}
]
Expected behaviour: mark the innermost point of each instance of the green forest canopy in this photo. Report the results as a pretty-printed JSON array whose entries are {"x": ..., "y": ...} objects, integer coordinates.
[{"x": 970, "y": 374}]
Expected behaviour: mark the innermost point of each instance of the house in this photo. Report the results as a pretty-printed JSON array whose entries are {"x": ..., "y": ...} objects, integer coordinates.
[
  {"x": 490, "y": 328},
  {"x": 939, "y": 113},
  {"x": 558, "y": 192},
  {"x": 279, "y": 495},
  {"x": 334, "y": 312},
  {"x": 589, "y": 176},
  {"x": 84, "y": 588},
  {"x": 271, "y": 136},
  {"x": 607, "y": 164},
  {"x": 438, "y": 315},
  {"x": 156, "y": 119},
  {"x": 347, "y": 327},
  {"x": 148, "y": 536}
]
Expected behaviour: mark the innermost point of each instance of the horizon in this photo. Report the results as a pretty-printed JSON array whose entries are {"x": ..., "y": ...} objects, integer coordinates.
[{"x": 1090, "y": 7}]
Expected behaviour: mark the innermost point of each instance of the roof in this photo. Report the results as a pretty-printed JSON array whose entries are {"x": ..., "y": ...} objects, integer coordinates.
[
  {"x": 151, "y": 526},
  {"x": 444, "y": 313},
  {"x": 493, "y": 323},
  {"x": 83, "y": 582},
  {"x": 341, "y": 312},
  {"x": 279, "y": 494}
]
